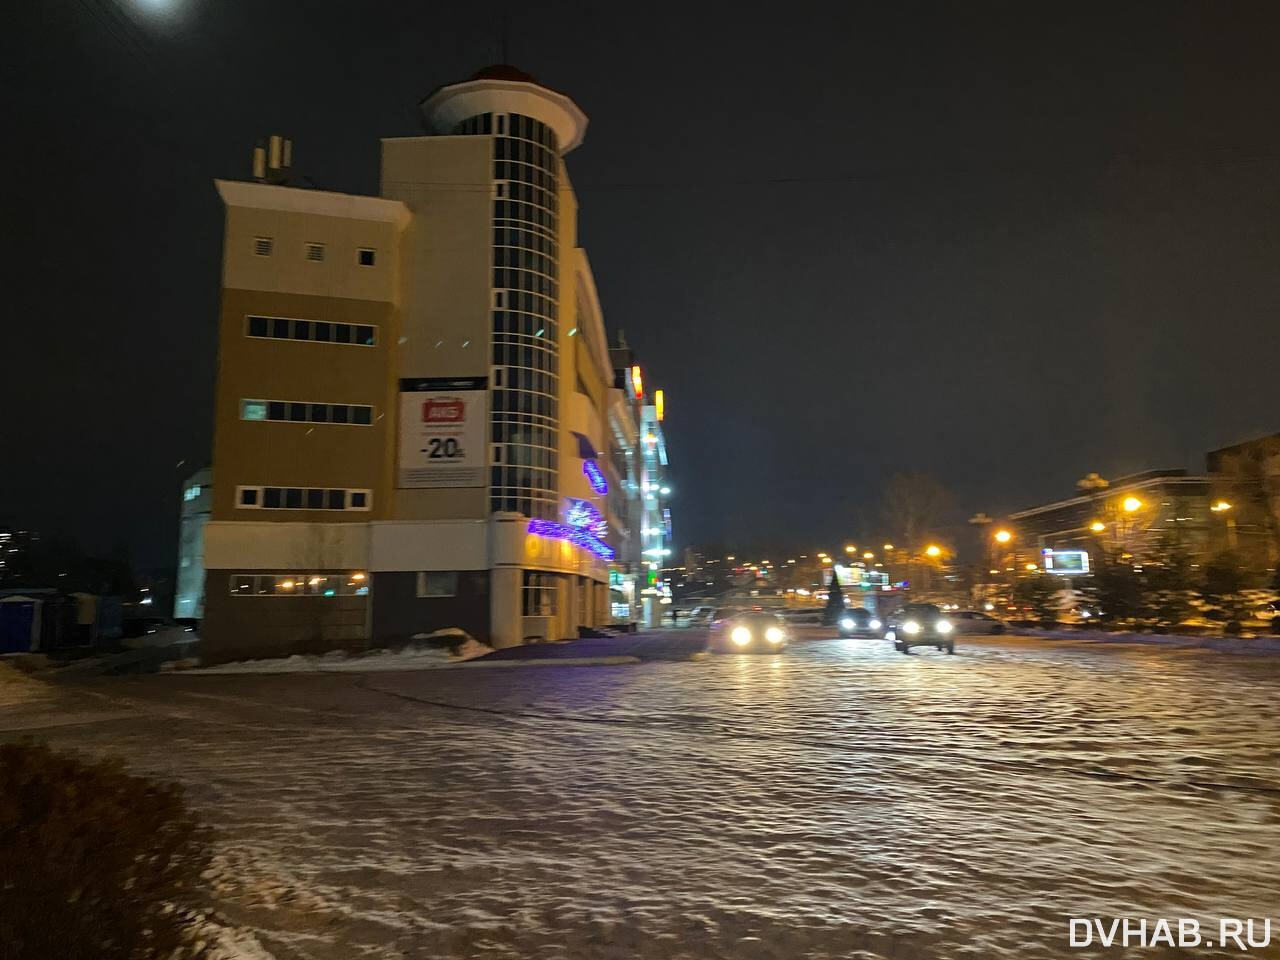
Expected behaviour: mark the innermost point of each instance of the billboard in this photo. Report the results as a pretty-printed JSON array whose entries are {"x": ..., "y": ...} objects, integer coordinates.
[
  {"x": 442, "y": 432},
  {"x": 1066, "y": 561}
]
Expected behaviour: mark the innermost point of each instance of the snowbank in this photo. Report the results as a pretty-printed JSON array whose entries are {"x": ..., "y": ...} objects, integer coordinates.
[
  {"x": 1184, "y": 641},
  {"x": 443, "y": 648}
]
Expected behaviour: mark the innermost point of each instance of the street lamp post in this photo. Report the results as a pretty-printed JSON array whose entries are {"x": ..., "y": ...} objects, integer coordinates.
[{"x": 1224, "y": 508}]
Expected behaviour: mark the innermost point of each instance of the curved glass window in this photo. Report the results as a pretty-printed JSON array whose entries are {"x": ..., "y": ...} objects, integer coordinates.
[{"x": 525, "y": 418}]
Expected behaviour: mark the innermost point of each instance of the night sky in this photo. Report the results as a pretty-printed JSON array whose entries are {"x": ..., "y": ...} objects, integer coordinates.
[{"x": 998, "y": 243}]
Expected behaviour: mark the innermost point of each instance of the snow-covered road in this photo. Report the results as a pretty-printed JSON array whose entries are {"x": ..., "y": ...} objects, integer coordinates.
[{"x": 838, "y": 800}]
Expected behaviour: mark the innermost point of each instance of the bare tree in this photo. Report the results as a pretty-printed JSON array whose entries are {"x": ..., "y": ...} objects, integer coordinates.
[{"x": 914, "y": 505}]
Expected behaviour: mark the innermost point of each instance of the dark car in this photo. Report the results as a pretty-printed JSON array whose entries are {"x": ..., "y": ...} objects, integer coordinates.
[
  {"x": 858, "y": 622},
  {"x": 751, "y": 632},
  {"x": 920, "y": 625}
]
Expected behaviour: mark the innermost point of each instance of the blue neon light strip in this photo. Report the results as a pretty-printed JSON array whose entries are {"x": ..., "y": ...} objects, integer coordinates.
[
  {"x": 575, "y": 535},
  {"x": 595, "y": 477}
]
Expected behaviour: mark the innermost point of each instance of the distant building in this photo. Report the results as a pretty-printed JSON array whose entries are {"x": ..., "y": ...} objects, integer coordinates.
[
  {"x": 197, "y": 503},
  {"x": 1246, "y": 498},
  {"x": 651, "y": 488},
  {"x": 1131, "y": 514},
  {"x": 416, "y": 427}
]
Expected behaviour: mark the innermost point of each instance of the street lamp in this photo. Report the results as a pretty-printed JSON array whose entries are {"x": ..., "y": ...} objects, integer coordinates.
[
  {"x": 1003, "y": 536},
  {"x": 868, "y": 555},
  {"x": 933, "y": 550},
  {"x": 1222, "y": 507},
  {"x": 1131, "y": 504},
  {"x": 849, "y": 548},
  {"x": 1097, "y": 526},
  {"x": 888, "y": 546}
]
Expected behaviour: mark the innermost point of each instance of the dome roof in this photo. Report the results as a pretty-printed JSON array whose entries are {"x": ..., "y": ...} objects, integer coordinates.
[{"x": 503, "y": 71}]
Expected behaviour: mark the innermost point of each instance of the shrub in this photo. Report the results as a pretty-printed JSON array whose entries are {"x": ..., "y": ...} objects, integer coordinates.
[{"x": 94, "y": 863}]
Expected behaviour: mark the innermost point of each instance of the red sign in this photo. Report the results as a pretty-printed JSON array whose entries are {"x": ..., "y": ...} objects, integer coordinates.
[{"x": 449, "y": 410}]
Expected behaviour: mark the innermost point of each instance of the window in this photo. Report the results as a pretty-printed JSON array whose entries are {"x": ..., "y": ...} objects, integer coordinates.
[
  {"x": 262, "y": 246},
  {"x": 438, "y": 584},
  {"x": 303, "y": 498},
  {"x": 253, "y": 409},
  {"x": 355, "y": 584},
  {"x": 364, "y": 257},
  {"x": 316, "y": 331},
  {"x": 315, "y": 252},
  {"x": 539, "y": 594}
]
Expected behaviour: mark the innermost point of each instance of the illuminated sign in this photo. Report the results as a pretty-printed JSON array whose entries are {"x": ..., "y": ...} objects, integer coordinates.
[
  {"x": 1066, "y": 561},
  {"x": 660, "y": 404},
  {"x": 637, "y": 383},
  {"x": 579, "y": 536},
  {"x": 583, "y": 515},
  {"x": 595, "y": 477}
]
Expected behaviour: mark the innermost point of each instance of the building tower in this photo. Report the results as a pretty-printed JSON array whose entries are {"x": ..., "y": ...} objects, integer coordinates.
[{"x": 530, "y": 127}]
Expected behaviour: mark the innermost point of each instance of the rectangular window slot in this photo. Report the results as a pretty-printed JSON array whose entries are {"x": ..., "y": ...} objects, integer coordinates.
[
  {"x": 262, "y": 246},
  {"x": 303, "y": 498},
  {"x": 315, "y": 252},
  {"x": 294, "y": 411},
  {"x": 313, "y": 331}
]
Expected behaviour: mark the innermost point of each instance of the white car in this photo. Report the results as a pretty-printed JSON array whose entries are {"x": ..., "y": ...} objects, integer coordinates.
[{"x": 756, "y": 632}]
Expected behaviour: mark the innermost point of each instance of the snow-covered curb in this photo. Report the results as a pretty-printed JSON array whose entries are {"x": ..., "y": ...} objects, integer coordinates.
[
  {"x": 1177, "y": 640},
  {"x": 388, "y": 663}
]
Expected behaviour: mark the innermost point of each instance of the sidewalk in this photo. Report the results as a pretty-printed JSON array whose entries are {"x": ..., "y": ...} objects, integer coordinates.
[
  {"x": 1260, "y": 644},
  {"x": 676, "y": 644}
]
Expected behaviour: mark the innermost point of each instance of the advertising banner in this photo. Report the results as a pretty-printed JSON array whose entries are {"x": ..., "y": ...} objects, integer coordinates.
[{"x": 443, "y": 425}]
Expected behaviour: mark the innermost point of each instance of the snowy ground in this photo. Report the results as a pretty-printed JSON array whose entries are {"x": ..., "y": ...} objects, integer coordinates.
[{"x": 836, "y": 801}]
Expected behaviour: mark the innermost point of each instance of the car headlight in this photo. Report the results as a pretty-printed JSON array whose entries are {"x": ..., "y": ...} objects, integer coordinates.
[
  {"x": 944, "y": 626},
  {"x": 847, "y": 623},
  {"x": 773, "y": 634},
  {"x": 741, "y": 636},
  {"x": 911, "y": 627},
  {"x": 875, "y": 624}
]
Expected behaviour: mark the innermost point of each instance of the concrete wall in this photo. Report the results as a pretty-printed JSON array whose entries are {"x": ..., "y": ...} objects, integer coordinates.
[
  {"x": 399, "y": 612},
  {"x": 336, "y": 289},
  {"x": 445, "y": 261},
  {"x": 254, "y": 627}
]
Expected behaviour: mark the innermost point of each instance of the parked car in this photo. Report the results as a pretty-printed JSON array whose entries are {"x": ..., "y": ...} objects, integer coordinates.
[
  {"x": 971, "y": 621},
  {"x": 803, "y": 616},
  {"x": 701, "y": 614},
  {"x": 752, "y": 632},
  {"x": 858, "y": 622},
  {"x": 920, "y": 625}
]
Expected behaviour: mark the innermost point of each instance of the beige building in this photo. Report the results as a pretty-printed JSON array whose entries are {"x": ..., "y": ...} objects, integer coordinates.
[{"x": 415, "y": 395}]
